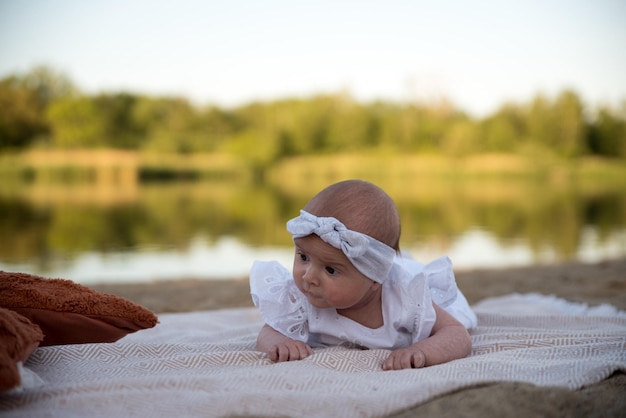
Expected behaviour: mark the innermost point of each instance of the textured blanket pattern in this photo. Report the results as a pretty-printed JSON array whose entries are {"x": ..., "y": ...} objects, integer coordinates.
[{"x": 204, "y": 364}]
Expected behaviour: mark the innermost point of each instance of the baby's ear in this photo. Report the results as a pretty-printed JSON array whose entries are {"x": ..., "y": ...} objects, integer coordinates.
[{"x": 375, "y": 286}]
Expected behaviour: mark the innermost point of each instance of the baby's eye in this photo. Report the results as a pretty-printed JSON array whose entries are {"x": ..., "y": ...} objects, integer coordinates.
[
  {"x": 330, "y": 270},
  {"x": 302, "y": 256}
]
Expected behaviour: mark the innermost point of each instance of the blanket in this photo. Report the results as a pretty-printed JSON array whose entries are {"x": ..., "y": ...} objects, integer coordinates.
[{"x": 204, "y": 364}]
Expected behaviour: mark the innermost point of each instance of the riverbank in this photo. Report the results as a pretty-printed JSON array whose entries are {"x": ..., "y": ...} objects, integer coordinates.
[{"x": 603, "y": 282}]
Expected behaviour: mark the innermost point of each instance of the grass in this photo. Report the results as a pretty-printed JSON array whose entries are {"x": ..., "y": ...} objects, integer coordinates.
[
  {"x": 115, "y": 166},
  {"x": 398, "y": 174},
  {"x": 405, "y": 174}
]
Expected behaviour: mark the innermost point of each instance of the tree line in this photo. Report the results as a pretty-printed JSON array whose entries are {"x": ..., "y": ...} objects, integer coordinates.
[{"x": 43, "y": 108}]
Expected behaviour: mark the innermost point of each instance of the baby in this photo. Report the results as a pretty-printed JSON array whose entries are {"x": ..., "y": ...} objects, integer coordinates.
[{"x": 352, "y": 286}]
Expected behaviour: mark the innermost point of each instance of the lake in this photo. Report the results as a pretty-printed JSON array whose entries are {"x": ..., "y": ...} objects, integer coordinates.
[{"x": 137, "y": 232}]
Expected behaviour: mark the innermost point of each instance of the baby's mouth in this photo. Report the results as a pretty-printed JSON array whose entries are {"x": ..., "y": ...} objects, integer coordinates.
[
  {"x": 306, "y": 290},
  {"x": 310, "y": 295}
]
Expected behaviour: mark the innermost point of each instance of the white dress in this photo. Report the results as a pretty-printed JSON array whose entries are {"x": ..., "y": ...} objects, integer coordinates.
[{"x": 407, "y": 299}]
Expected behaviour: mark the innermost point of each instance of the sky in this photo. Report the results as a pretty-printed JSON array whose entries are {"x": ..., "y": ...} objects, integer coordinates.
[{"x": 477, "y": 54}]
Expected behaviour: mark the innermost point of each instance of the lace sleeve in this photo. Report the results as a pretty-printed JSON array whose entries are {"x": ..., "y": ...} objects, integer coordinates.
[
  {"x": 441, "y": 281},
  {"x": 445, "y": 292},
  {"x": 422, "y": 312},
  {"x": 282, "y": 306}
]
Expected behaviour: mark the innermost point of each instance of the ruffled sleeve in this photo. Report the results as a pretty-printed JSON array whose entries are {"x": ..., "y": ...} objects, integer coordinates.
[
  {"x": 445, "y": 292},
  {"x": 281, "y": 305},
  {"x": 407, "y": 299},
  {"x": 441, "y": 281},
  {"x": 424, "y": 312}
]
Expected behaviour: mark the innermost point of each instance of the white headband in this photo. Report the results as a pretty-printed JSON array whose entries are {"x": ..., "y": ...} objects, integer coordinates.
[{"x": 370, "y": 256}]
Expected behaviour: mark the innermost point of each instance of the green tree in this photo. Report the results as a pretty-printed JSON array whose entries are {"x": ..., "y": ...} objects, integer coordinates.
[
  {"x": 312, "y": 126},
  {"x": 539, "y": 122},
  {"x": 430, "y": 125},
  {"x": 20, "y": 120},
  {"x": 461, "y": 138},
  {"x": 349, "y": 125},
  {"x": 215, "y": 126},
  {"x": 505, "y": 130},
  {"x": 23, "y": 100},
  {"x": 48, "y": 85},
  {"x": 607, "y": 134},
  {"x": 120, "y": 130},
  {"x": 168, "y": 124},
  {"x": 569, "y": 125},
  {"x": 383, "y": 126},
  {"x": 76, "y": 122},
  {"x": 257, "y": 149}
]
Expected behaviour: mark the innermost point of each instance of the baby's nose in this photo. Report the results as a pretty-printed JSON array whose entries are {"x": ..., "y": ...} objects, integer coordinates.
[{"x": 310, "y": 276}]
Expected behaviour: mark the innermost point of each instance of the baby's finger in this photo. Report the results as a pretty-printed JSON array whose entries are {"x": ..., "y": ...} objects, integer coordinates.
[
  {"x": 273, "y": 353},
  {"x": 306, "y": 351},
  {"x": 298, "y": 353},
  {"x": 418, "y": 360},
  {"x": 404, "y": 362},
  {"x": 302, "y": 350},
  {"x": 283, "y": 353},
  {"x": 391, "y": 362}
]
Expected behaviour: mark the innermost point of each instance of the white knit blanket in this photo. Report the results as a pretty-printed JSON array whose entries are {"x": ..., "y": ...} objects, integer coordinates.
[{"x": 203, "y": 364}]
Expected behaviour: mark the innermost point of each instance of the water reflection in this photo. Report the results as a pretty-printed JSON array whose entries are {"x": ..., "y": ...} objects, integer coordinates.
[
  {"x": 229, "y": 258},
  {"x": 215, "y": 229}
]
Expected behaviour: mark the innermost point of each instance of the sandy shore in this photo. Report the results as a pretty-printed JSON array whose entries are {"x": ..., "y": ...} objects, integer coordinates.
[{"x": 603, "y": 282}]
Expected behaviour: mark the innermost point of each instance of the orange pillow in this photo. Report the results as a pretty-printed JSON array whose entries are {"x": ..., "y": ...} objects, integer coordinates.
[
  {"x": 18, "y": 339},
  {"x": 69, "y": 313}
]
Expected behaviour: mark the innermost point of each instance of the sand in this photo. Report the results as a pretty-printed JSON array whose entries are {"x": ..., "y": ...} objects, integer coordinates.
[{"x": 603, "y": 282}]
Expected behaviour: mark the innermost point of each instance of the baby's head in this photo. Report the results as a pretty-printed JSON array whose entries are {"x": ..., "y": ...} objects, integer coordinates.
[{"x": 361, "y": 207}]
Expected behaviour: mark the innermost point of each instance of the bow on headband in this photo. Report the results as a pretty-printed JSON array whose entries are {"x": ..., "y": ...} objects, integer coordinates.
[{"x": 370, "y": 256}]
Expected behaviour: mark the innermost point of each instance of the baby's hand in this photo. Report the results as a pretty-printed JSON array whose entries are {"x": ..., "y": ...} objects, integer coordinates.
[
  {"x": 405, "y": 358},
  {"x": 289, "y": 350}
]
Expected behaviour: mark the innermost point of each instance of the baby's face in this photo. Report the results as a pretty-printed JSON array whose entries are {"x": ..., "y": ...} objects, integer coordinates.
[{"x": 326, "y": 277}]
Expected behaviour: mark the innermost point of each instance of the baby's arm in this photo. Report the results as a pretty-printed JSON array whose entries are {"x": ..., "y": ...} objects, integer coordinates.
[
  {"x": 279, "y": 347},
  {"x": 448, "y": 340}
]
